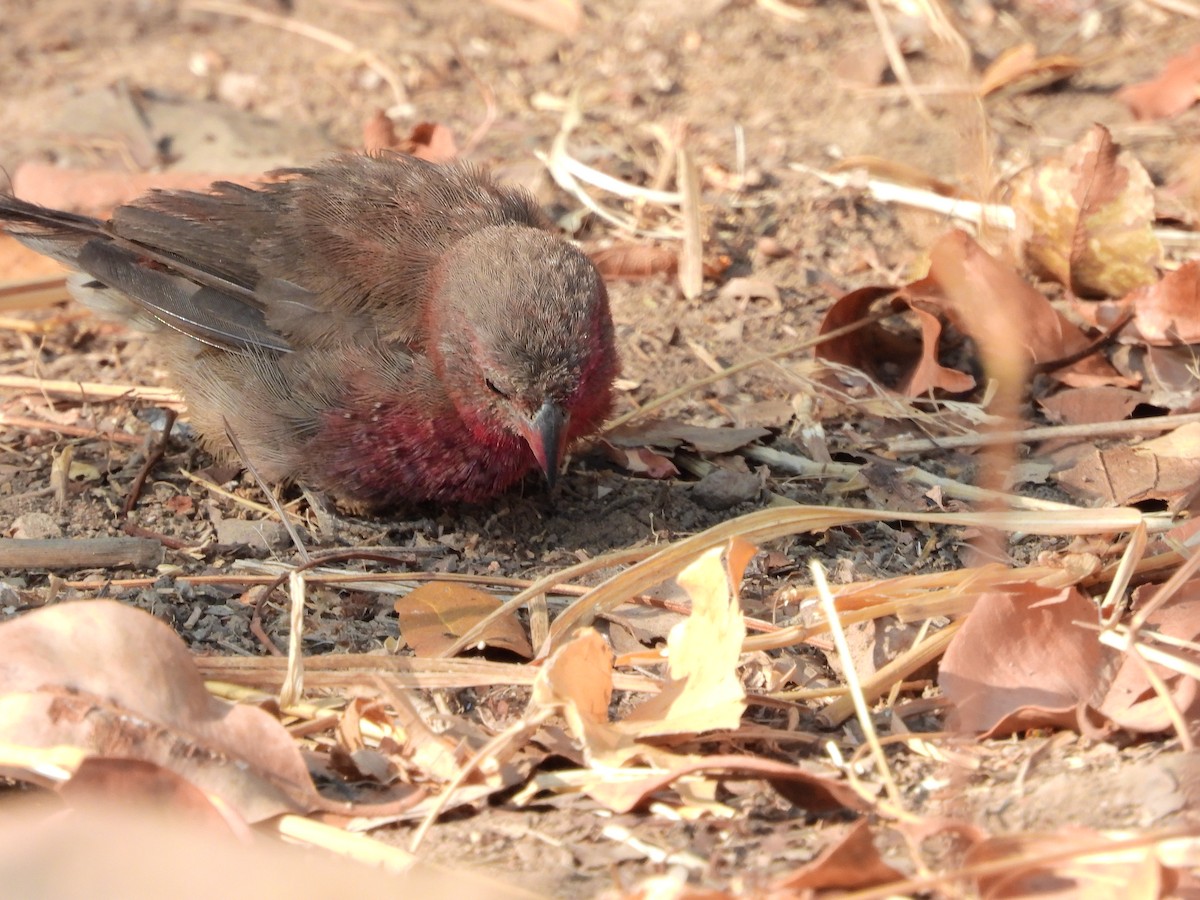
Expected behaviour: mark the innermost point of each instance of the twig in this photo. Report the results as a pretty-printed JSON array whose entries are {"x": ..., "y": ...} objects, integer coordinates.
[
  {"x": 241, "y": 501},
  {"x": 1088, "y": 431},
  {"x": 92, "y": 390},
  {"x": 489, "y": 104},
  {"x": 297, "y": 541},
  {"x": 152, "y": 459},
  {"x": 805, "y": 468},
  {"x": 691, "y": 259},
  {"x": 33, "y": 293},
  {"x": 116, "y": 437}
]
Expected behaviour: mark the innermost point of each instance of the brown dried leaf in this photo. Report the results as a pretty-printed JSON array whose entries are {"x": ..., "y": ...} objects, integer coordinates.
[
  {"x": 430, "y": 141},
  {"x": 113, "y": 680},
  {"x": 1131, "y": 700},
  {"x": 634, "y": 261},
  {"x": 1086, "y": 406},
  {"x": 577, "y": 681},
  {"x": 910, "y": 368},
  {"x": 671, "y": 433},
  {"x": 989, "y": 301},
  {"x": 849, "y": 862},
  {"x": 115, "y": 783},
  {"x": 1020, "y": 69},
  {"x": 436, "y": 614},
  {"x": 1167, "y": 313},
  {"x": 801, "y": 787},
  {"x": 702, "y": 692},
  {"x": 1022, "y": 660},
  {"x": 378, "y": 133},
  {"x": 1082, "y": 866},
  {"x": 1086, "y": 218},
  {"x": 1172, "y": 92},
  {"x": 640, "y": 460},
  {"x": 1166, "y": 468}
]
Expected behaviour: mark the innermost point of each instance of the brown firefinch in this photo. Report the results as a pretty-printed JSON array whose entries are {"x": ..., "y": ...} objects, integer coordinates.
[{"x": 378, "y": 328}]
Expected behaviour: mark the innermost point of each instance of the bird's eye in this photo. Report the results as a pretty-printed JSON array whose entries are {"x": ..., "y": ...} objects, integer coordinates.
[{"x": 491, "y": 386}]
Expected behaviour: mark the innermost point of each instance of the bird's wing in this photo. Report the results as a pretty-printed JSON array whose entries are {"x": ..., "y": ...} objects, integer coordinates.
[
  {"x": 341, "y": 252},
  {"x": 208, "y": 302},
  {"x": 209, "y": 315}
]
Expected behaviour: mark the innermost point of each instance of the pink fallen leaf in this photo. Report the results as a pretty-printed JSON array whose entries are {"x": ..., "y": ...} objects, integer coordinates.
[
  {"x": 1165, "y": 468},
  {"x": 117, "y": 682},
  {"x": 849, "y": 862},
  {"x": 1173, "y": 91},
  {"x": 1131, "y": 700},
  {"x": 1023, "y": 660}
]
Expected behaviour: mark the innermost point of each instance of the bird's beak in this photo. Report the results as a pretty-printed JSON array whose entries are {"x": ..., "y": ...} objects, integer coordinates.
[{"x": 546, "y": 434}]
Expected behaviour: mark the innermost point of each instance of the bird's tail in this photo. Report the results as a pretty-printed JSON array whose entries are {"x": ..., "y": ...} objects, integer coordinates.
[{"x": 57, "y": 234}]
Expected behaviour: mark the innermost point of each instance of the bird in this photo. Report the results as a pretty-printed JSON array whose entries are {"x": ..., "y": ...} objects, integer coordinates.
[{"x": 377, "y": 328}]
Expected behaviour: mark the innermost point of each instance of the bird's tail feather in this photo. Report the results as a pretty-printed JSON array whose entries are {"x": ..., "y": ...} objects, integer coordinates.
[{"x": 59, "y": 235}]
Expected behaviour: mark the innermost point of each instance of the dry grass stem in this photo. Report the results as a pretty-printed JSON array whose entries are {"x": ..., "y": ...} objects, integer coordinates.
[
  {"x": 85, "y": 391},
  {"x": 850, "y": 674},
  {"x": 957, "y": 490},
  {"x": 1088, "y": 432}
]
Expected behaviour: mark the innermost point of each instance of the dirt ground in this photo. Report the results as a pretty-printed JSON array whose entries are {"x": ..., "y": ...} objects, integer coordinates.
[{"x": 759, "y": 94}]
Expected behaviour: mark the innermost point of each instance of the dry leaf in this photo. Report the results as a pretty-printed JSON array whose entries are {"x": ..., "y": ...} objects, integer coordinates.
[
  {"x": 379, "y": 133},
  {"x": 1022, "y": 660},
  {"x": 577, "y": 681},
  {"x": 1083, "y": 866},
  {"x": 435, "y": 615},
  {"x": 1020, "y": 69},
  {"x": 849, "y": 862},
  {"x": 640, "y": 460},
  {"x": 909, "y": 368},
  {"x": 1131, "y": 700},
  {"x": 634, "y": 261},
  {"x": 1166, "y": 468},
  {"x": 430, "y": 141},
  {"x": 1167, "y": 313},
  {"x": 1086, "y": 218},
  {"x": 703, "y": 691},
  {"x": 982, "y": 298},
  {"x": 1172, "y": 92},
  {"x": 801, "y": 787},
  {"x": 1086, "y": 406},
  {"x": 671, "y": 433},
  {"x": 113, "y": 680}
]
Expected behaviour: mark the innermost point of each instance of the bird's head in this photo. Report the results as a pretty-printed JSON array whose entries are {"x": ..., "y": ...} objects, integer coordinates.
[{"x": 522, "y": 338}]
